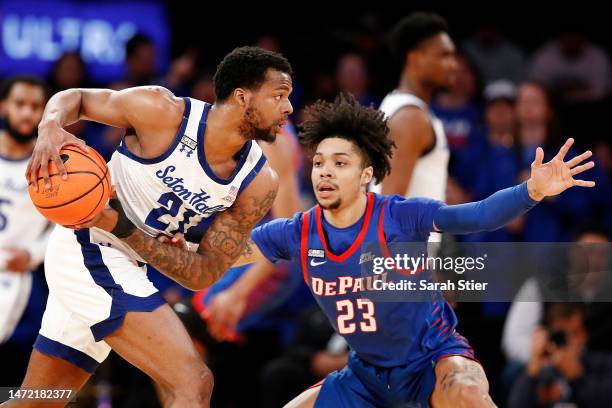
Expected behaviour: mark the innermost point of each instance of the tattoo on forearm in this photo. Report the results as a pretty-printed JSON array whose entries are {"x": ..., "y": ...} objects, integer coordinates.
[
  {"x": 476, "y": 371},
  {"x": 225, "y": 240},
  {"x": 472, "y": 372},
  {"x": 449, "y": 379}
]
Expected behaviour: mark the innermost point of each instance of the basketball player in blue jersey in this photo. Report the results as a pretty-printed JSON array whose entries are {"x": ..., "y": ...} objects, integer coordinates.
[
  {"x": 404, "y": 354},
  {"x": 184, "y": 167}
]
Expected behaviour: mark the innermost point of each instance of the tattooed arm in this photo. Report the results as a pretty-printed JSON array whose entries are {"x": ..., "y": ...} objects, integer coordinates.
[{"x": 227, "y": 238}]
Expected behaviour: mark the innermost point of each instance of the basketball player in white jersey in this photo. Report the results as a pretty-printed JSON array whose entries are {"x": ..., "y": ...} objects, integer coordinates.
[
  {"x": 23, "y": 231},
  {"x": 184, "y": 167},
  {"x": 419, "y": 167}
]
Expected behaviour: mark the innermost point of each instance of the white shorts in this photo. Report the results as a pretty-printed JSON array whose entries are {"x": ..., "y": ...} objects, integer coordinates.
[{"x": 91, "y": 288}]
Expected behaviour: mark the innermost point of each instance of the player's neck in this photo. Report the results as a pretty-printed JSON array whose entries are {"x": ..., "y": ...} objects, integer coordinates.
[
  {"x": 14, "y": 150},
  {"x": 408, "y": 83},
  {"x": 222, "y": 140},
  {"x": 346, "y": 216}
]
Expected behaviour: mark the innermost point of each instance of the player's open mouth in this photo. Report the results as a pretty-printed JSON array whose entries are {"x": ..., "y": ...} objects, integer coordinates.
[
  {"x": 282, "y": 123},
  {"x": 324, "y": 190}
]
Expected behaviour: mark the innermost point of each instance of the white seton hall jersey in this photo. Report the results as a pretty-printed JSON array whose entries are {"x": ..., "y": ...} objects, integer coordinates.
[
  {"x": 178, "y": 191},
  {"x": 21, "y": 226},
  {"x": 430, "y": 170}
]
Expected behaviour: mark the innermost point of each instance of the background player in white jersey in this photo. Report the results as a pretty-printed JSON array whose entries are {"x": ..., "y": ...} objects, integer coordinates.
[
  {"x": 421, "y": 45},
  {"x": 183, "y": 167},
  {"x": 23, "y": 231}
]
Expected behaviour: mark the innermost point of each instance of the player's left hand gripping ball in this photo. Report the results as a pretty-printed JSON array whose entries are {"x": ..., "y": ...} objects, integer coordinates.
[{"x": 79, "y": 198}]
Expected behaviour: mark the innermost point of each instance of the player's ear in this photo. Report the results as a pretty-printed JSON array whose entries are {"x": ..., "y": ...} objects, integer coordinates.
[
  {"x": 366, "y": 175},
  {"x": 241, "y": 96}
]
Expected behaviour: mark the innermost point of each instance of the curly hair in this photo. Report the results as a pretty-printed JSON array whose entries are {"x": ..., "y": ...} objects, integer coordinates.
[
  {"x": 345, "y": 118},
  {"x": 246, "y": 67}
]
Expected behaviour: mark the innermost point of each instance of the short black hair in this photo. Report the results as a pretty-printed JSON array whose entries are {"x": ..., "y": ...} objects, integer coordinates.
[
  {"x": 412, "y": 30},
  {"x": 245, "y": 67},
  {"x": 136, "y": 42},
  {"x": 366, "y": 127},
  {"x": 9, "y": 83}
]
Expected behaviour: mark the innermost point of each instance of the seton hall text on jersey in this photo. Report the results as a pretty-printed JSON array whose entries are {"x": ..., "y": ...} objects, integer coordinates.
[
  {"x": 196, "y": 200},
  {"x": 345, "y": 284}
]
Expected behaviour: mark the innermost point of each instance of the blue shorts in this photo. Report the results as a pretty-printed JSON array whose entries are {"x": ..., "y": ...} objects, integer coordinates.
[{"x": 361, "y": 384}]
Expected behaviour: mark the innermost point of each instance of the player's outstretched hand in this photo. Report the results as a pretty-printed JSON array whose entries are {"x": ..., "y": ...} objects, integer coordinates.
[
  {"x": 556, "y": 176},
  {"x": 51, "y": 138}
]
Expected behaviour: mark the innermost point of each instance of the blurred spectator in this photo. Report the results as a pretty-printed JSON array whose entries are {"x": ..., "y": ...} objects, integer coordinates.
[
  {"x": 181, "y": 73},
  {"x": 204, "y": 88},
  {"x": 573, "y": 67},
  {"x": 495, "y": 56},
  {"x": 553, "y": 219},
  {"x": 499, "y": 155},
  {"x": 69, "y": 71},
  {"x": 324, "y": 86},
  {"x": 140, "y": 62},
  {"x": 526, "y": 313},
  {"x": 491, "y": 164},
  {"x": 537, "y": 122},
  {"x": 603, "y": 153},
  {"x": 560, "y": 369},
  {"x": 457, "y": 108},
  {"x": 352, "y": 77},
  {"x": 500, "y": 117}
]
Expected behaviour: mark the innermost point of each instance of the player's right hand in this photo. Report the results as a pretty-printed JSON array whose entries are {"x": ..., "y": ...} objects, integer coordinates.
[
  {"x": 51, "y": 138},
  {"x": 18, "y": 260},
  {"x": 226, "y": 309}
]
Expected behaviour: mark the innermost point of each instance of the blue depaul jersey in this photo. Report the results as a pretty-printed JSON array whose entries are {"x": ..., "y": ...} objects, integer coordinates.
[{"x": 383, "y": 333}]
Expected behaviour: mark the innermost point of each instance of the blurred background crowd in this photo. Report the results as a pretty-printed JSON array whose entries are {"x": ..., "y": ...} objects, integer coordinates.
[{"x": 522, "y": 81}]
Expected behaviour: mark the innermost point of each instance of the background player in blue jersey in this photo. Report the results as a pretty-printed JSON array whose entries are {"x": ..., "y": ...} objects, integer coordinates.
[{"x": 404, "y": 354}]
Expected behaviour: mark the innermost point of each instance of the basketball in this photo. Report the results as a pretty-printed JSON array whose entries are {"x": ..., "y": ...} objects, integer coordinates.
[{"x": 79, "y": 198}]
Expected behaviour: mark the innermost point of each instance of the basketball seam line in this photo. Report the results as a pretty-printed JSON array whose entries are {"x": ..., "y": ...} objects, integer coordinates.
[
  {"x": 100, "y": 180},
  {"x": 96, "y": 206},
  {"x": 105, "y": 172}
]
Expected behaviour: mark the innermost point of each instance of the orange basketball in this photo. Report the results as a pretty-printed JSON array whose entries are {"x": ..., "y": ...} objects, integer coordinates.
[{"x": 79, "y": 198}]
